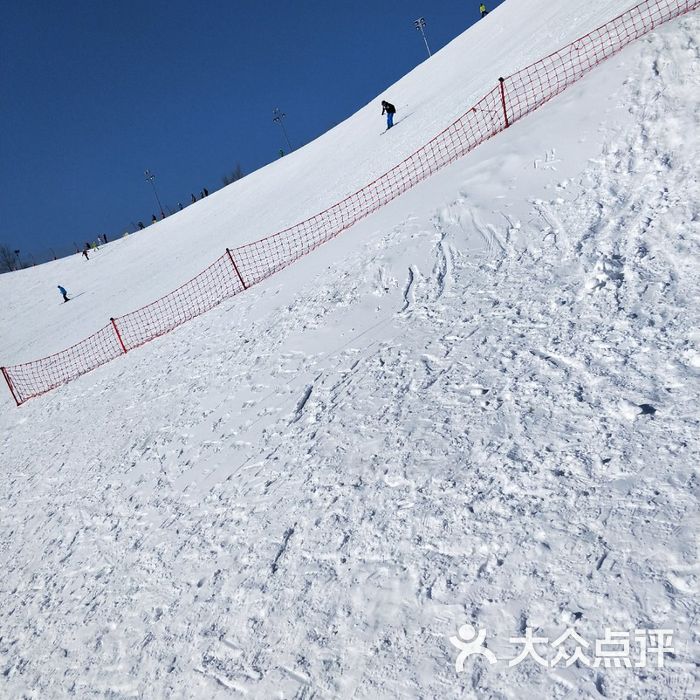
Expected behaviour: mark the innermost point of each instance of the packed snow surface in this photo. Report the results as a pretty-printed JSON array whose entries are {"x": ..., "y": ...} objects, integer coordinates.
[{"x": 479, "y": 406}]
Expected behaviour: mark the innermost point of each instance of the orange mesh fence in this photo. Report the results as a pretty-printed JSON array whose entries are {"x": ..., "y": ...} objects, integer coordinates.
[
  {"x": 511, "y": 99},
  {"x": 531, "y": 87},
  {"x": 203, "y": 292},
  {"x": 263, "y": 258},
  {"x": 37, "y": 377}
]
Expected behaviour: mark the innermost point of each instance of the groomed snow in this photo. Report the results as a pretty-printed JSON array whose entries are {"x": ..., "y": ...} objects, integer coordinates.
[{"x": 479, "y": 405}]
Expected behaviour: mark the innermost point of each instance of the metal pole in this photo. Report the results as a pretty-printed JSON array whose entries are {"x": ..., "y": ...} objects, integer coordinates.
[
  {"x": 503, "y": 100},
  {"x": 420, "y": 26},
  {"x": 9, "y": 384},
  {"x": 119, "y": 335},
  {"x": 284, "y": 131},
  {"x": 278, "y": 117},
  {"x": 151, "y": 178},
  {"x": 235, "y": 267}
]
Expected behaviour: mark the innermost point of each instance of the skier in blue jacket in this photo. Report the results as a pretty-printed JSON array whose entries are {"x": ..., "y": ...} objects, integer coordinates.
[{"x": 64, "y": 293}]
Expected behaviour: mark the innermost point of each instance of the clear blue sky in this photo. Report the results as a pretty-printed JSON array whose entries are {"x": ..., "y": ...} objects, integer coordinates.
[{"x": 92, "y": 93}]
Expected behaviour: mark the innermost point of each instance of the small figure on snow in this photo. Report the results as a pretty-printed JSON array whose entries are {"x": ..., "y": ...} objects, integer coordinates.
[
  {"x": 194, "y": 199},
  {"x": 390, "y": 111},
  {"x": 141, "y": 226},
  {"x": 85, "y": 253},
  {"x": 205, "y": 191},
  {"x": 483, "y": 10},
  {"x": 64, "y": 293},
  {"x": 153, "y": 219}
]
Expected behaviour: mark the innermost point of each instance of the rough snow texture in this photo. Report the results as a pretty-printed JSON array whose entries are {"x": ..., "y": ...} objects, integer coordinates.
[{"x": 478, "y": 406}]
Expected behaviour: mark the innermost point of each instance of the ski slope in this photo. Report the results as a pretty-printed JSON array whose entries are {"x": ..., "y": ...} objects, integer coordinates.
[
  {"x": 479, "y": 406},
  {"x": 149, "y": 264}
]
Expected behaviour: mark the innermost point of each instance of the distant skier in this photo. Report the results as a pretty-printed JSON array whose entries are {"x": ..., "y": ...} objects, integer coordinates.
[
  {"x": 153, "y": 219},
  {"x": 483, "y": 10},
  {"x": 390, "y": 111},
  {"x": 104, "y": 238},
  {"x": 194, "y": 199},
  {"x": 85, "y": 254},
  {"x": 141, "y": 226},
  {"x": 179, "y": 206},
  {"x": 64, "y": 293},
  {"x": 206, "y": 192}
]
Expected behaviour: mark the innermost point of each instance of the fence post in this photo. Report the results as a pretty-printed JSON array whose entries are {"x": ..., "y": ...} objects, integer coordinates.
[
  {"x": 503, "y": 100},
  {"x": 235, "y": 267},
  {"x": 119, "y": 335},
  {"x": 9, "y": 384}
]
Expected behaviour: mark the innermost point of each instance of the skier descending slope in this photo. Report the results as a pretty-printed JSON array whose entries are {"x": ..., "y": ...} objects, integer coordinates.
[
  {"x": 390, "y": 111},
  {"x": 64, "y": 293}
]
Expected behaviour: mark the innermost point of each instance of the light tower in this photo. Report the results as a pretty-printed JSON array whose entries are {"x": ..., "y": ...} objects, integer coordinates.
[
  {"x": 419, "y": 24},
  {"x": 278, "y": 116},
  {"x": 152, "y": 179}
]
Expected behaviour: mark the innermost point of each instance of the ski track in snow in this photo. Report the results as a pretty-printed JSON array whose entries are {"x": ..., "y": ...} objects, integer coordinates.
[{"x": 309, "y": 501}]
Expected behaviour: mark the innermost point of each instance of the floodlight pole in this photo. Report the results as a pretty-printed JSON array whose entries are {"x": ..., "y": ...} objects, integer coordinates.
[
  {"x": 419, "y": 24},
  {"x": 278, "y": 116},
  {"x": 151, "y": 178}
]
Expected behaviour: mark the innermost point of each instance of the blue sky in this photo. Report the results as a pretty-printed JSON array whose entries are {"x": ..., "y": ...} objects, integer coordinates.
[{"x": 95, "y": 92}]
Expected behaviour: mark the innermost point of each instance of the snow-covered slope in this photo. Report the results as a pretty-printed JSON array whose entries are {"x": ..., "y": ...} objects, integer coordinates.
[
  {"x": 136, "y": 271},
  {"x": 478, "y": 406}
]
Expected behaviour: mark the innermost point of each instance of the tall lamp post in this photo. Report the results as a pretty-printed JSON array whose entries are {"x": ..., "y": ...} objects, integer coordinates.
[
  {"x": 419, "y": 24},
  {"x": 278, "y": 116},
  {"x": 151, "y": 178}
]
